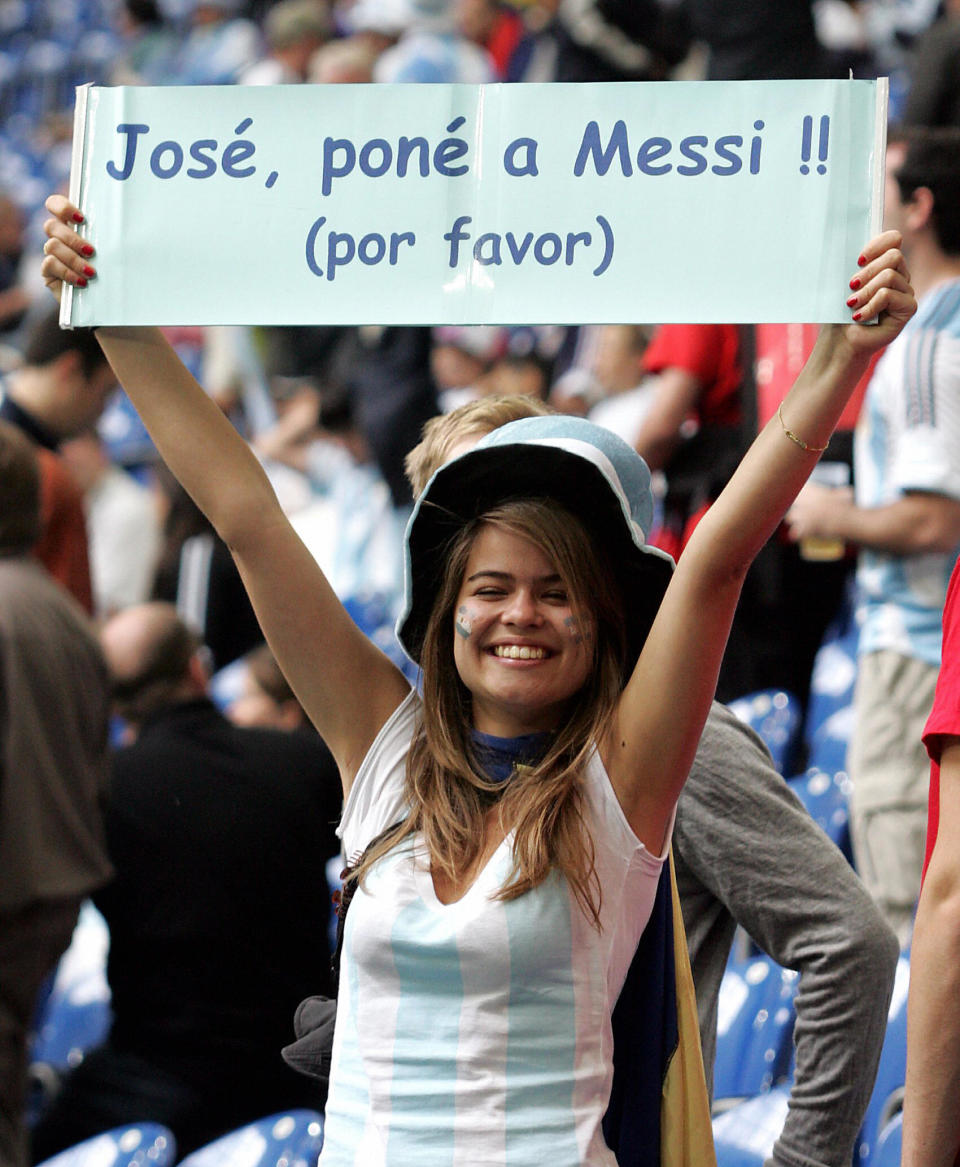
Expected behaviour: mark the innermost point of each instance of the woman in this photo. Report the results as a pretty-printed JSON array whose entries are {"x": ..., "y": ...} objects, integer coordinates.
[{"x": 494, "y": 924}]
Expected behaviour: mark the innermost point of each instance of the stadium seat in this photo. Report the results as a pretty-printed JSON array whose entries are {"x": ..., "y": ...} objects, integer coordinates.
[
  {"x": 826, "y": 795},
  {"x": 291, "y": 1139},
  {"x": 745, "y": 1134},
  {"x": 75, "y": 1016},
  {"x": 755, "y": 1020},
  {"x": 776, "y": 716},
  {"x": 829, "y": 718},
  {"x": 372, "y": 615},
  {"x": 146, "y": 1144},
  {"x": 887, "y": 1094},
  {"x": 827, "y": 747},
  {"x": 890, "y": 1144}
]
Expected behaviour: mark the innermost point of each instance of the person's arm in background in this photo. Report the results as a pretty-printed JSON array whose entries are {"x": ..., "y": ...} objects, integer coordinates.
[
  {"x": 921, "y": 512},
  {"x": 676, "y": 394},
  {"x": 931, "y": 1112},
  {"x": 288, "y": 441},
  {"x": 918, "y": 522},
  {"x": 747, "y": 852}
]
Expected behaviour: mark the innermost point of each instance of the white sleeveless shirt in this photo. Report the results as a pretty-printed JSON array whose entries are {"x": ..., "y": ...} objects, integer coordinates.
[{"x": 477, "y": 1033}]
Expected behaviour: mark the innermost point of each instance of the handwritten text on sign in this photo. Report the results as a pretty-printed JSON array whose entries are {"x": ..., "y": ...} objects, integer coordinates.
[{"x": 635, "y": 202}]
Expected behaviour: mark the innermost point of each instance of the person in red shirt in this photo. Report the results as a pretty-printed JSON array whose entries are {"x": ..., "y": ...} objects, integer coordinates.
[
  {"x": 691, "y": 430},
  {"x": 931, "y": 1117}
]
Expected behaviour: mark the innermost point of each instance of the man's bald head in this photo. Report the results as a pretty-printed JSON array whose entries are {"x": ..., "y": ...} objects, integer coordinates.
[{"x": 152, "y": 657}]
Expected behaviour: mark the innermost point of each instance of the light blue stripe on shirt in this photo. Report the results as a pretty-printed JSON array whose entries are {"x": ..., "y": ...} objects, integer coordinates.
[
  {"x": 540, "y": 1125},
  {"x": 430, "y": 1002}
]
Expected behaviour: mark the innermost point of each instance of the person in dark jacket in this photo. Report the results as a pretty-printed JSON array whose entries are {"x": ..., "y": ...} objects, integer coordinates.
[{"x": 218, "y": 912}]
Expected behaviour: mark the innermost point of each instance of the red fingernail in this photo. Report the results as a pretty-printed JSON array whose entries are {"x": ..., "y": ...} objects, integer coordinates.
[
  {"x": 81, "y": 282},
  {"x": 861, "y": 261},
  {"x": 77, "y": 217},
  {"x": 854, "y": 283},
  {"x": 86, "y": 249},
  {"x": 88, "y": 271},
  {"x": 857, "y": 315},
  {"x": 850, "y": 302}
]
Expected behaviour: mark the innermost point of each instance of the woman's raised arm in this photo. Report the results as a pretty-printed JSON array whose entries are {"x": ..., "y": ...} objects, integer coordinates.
[
  {"x": 346, "y": 685},
  {"x": 665, "y": 703}
]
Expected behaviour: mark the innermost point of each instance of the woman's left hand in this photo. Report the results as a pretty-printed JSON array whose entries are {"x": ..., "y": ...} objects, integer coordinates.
[{"x": 880, "y": 290}]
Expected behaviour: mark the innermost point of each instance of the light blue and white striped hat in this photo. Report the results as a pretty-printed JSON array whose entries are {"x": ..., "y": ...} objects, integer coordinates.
[{"x": 585, "y": 468}]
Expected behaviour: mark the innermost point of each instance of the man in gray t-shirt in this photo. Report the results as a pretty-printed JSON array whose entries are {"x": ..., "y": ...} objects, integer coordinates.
[{"x": 747, "y": 852}]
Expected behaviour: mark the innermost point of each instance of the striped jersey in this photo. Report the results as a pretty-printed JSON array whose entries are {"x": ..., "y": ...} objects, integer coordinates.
[
  {"x": 908, "y": 439},
  {"x": 477, "y": 1033}
]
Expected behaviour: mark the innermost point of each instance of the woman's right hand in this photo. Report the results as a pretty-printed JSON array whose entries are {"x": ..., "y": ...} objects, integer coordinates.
[{"x": 67, "y": 255}]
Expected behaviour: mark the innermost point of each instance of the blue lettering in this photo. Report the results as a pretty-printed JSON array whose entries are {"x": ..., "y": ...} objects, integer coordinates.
[
  {"x": 176, "y": 152},
  {"x": 342, "y": 249},
  {"x": 492, "y": 239},
  {"x": 572, "y": 240},
  {"x": 208, "y": 164},
  {"x": 405, "y": 149},
  {"x": 755, "y": 150},
  {"x": 449, "y": 150},
  {"x": 528, "y": 165},
  {"x": 722, "y": 148},
  {"x": 396, "y": 238},
  {"x": 688, "y": 151},
  {"x": 603, "y": 158},
  {"x": 455, "y": 236},
  {"x": 650, "y": 152},
  {"x": 236, "y": 152},
  {"x": 133, "y": 131},
  {"x": 332, "y": 170},
  {"x": 386, "y": 157},
  {"x": 518, "y": 250},
  {"x": 540, "y": 248},
  {"x": 378, "y": 245}
]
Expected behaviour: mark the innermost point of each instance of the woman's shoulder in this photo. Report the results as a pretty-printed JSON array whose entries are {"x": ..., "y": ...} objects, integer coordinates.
[
  {"x": 376, "y": 800},
  {"x": 609, "y": 827}
]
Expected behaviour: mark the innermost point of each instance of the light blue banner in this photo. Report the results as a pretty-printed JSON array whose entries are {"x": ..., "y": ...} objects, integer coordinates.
[{"x": 430, "y": 204}]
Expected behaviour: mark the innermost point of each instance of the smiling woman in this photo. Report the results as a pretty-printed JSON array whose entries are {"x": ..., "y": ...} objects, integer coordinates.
[
  {"x": 520, "y": 651},
  {"x": 524, "y": 801}
]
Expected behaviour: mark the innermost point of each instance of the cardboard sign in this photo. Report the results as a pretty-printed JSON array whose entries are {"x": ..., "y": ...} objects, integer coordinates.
[{"x": 462, "y": 204}]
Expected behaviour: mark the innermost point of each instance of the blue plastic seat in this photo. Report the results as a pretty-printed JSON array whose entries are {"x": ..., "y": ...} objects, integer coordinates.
[
  {"x": 890, "y": 1144},
  {"x": 755, "y": 1019},
  {"x": 745, "y": 1134},
  {"x": 777, "y": 717},
  {"x": 146, "y": 1144},
  {"x": 827, "y": 746},
  {"x": 290, "y": 1139},
  {"x": 373, "y": 615},
  {"x": 75, "y": 1016},
  {"x": 826, "y": 795},
  {"x": 833, "y": 677},
  {"x": 887, "y": 1096}
]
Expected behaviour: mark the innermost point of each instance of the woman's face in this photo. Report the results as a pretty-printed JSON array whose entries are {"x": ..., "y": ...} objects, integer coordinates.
[{"x": 519, "y": 647}]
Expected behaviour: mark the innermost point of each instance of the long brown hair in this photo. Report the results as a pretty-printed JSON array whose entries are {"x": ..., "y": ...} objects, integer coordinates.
[{"x": 543, "y": 804}]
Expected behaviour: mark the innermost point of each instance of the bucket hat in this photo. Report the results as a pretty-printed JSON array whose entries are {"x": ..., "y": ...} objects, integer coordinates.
[{"x": 587, "y": 469}]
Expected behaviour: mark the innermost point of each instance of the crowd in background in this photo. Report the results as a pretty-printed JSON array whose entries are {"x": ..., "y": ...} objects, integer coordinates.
[{"x": 333, "y": 412}]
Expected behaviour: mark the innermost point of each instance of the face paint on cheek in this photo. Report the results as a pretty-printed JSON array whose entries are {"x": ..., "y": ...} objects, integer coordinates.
[
  {"x": 464, "y": 622},
  {"x": 577, "y": 634}
]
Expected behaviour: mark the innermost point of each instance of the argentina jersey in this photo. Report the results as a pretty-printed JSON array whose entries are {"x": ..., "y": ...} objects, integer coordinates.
[
  {"x": 908, "y": 439},
  {"x": 479, "y": 1032}
]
